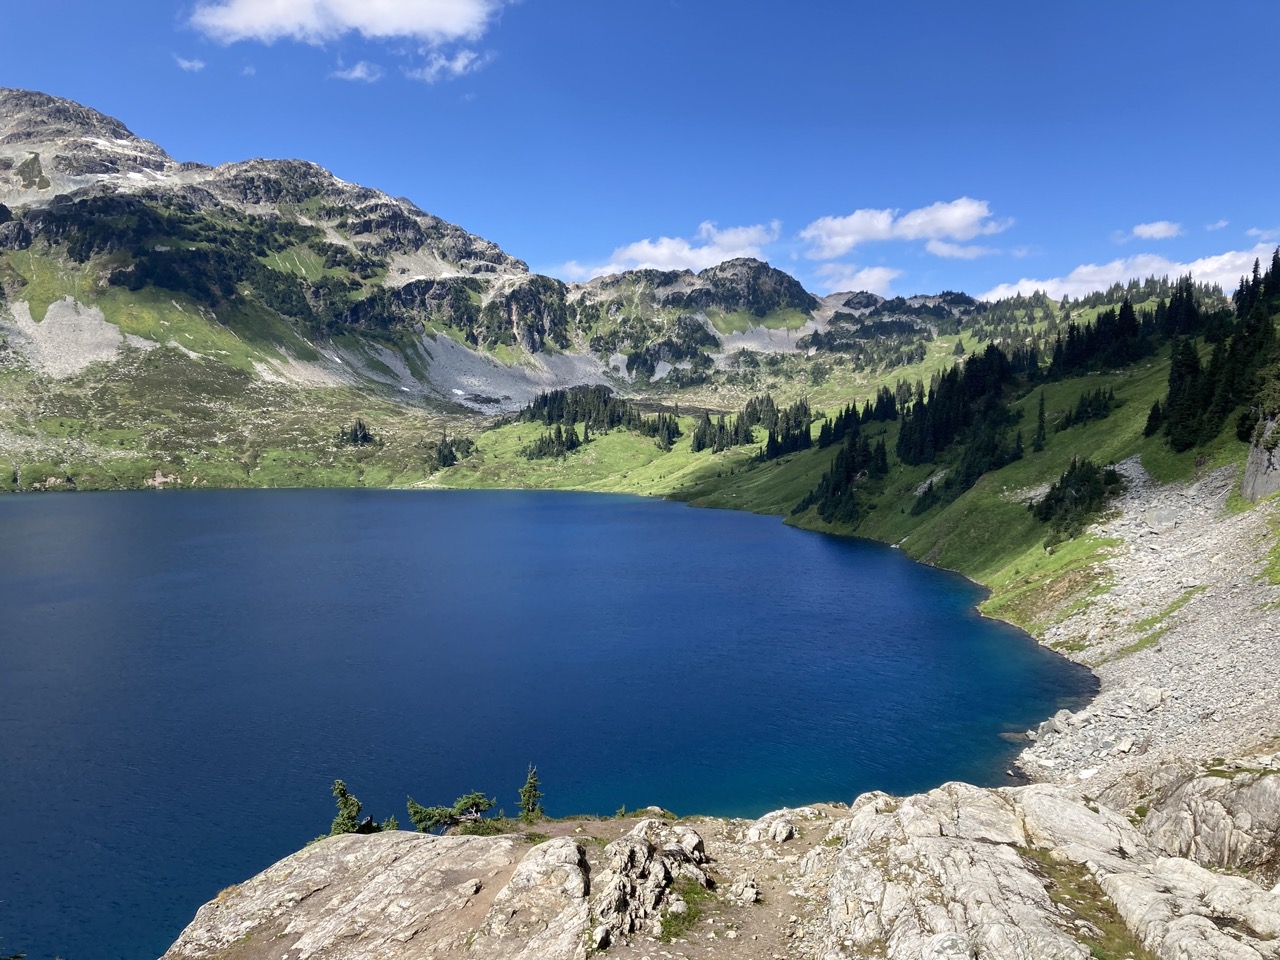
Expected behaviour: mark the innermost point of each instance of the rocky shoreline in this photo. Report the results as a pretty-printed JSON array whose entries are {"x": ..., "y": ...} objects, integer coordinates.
[
  {"x": 1182, "y": 635},
  {"x": 1153, "y": 830}
]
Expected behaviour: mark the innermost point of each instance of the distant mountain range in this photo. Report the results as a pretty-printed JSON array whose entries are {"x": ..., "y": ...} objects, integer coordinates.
[{"x": 324, "y": 281}]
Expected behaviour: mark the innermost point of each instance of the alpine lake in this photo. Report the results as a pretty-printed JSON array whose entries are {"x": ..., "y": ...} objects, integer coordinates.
[{"x": 183, "y": 675}]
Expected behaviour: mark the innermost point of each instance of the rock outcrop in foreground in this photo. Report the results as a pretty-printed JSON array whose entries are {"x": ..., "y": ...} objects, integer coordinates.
[{"x": 1157, "y": 837}]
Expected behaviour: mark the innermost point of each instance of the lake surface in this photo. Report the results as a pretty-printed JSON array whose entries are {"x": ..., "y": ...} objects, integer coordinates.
[{"x": 183, "y": 676}]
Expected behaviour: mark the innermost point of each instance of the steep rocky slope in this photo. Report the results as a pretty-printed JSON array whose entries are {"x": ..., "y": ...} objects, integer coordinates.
[{"x": 1155, "y": 833}]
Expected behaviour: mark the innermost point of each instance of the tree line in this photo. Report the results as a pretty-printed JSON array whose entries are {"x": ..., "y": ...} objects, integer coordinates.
[
  {"x": 599, "y": 410},
  {"x": 1241, "y": 374}
]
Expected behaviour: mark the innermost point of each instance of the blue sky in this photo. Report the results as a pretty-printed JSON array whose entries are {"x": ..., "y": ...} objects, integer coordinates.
[{"x": 906, "y": 147}]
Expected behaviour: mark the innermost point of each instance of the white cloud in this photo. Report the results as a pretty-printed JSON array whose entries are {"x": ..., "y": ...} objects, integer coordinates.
[
  {"x": 958, "y": 251},
  {"x": 835, "y": 236},
  {"x": 1158, "y": 230},
  {"x": 317, "y": 21},
  {"x": 1217, "y": 225},
  {"x": 846, "y": 276},
  {"x": 710, "y": 246},
  {"x": 438, "y": 65},
  {"x": 1224, "y": 269},
  {"x": 191, "y": 66},
  {"x": 362, "y": 71},
  {"x": 1266, "y": 236},
  {"x": 963, "y": 219}
]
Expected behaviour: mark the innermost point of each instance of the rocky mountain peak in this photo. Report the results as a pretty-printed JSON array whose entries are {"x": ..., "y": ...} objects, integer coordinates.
[
  {"x": 27, "y": 116},
  {"x": 49, "y": 146},
  {"x": 753, "y": 285},
  {"x": 743, "y": 284},
  {"x": 264, "y": 181},
  {"x": 861, "y": 300}
]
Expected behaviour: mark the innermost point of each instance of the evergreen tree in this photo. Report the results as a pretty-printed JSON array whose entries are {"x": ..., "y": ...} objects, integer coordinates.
[
  {"x": 825, "y": 435},
  {"x": 446, "y": 455},
  {"x": 1185, "y": 399},
  {"x": 1076, "y": 497},
  {"x": 1155, "y": 420},
  {"x": 429, "y": 819},
  {"x": 531, "y": 796},
  {"x": 1038, "y": 443},
  {"x": 468, "y": 807},
  {"x": 348, "y": 818},
  {"x": 880, "y": 465},
  {"x": 356, "y": 435},
  {"x": 471, "y": 806}
]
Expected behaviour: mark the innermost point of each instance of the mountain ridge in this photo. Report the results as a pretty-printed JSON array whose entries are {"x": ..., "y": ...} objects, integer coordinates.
[{"x": 432, "y": 277}]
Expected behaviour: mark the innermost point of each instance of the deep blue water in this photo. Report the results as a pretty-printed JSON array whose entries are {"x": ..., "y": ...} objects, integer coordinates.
[{"x": 183, "y": 675}]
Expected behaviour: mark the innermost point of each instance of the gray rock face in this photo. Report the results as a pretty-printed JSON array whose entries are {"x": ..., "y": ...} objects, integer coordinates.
[
  {"x": 1181, "y": 911},
  {"x": 941, "y": 875},
  {"x": 635, "y": 886},
  {"x": 28, "y": 117},
  {"x": 1262, "y": 470},
  {"x": 1222, "y": 823},
  {"x": 385, "y": 895},
  {"x": 403, "y": 895},
  {"x": 743, "y": 284},
  {"x": 49, "y": 145},
  {"x": 377, "y": 223},
  {"x": 958, "y": 872},
  {"x": 778, "y": 827},
  {"x": 1181, "y": 632},
  {"x": 542, "y": 911}
]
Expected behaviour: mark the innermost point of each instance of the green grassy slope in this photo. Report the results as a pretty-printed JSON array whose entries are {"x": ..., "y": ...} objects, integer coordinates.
[
  {"x": 988, "y": 533},
  {"x": 203, "y": 422}
]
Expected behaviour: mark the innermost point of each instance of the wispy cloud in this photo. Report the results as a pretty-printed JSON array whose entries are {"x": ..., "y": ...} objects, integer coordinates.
[
  {"x": 1216, "y": 225},
  {"x": 190, "y": 66},
  {"x": 955, "y": 220},
  {"x": 364, "y": 71},
  {"x": 709, "y": 246},
  {"x": 1224, "y": 269},
  {"x": 319, "y": 21},
  {"x": 1265, "y": 235},
  {"x": 1157, "y": 230},
  {"x": 958, "y": 251},
  {"x": 439, "y": 67},
  {"x": 845, "y": 276}
]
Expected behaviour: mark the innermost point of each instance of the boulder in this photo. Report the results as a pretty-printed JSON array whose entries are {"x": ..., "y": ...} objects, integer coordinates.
[
  {"x": 641, "y": 868},
  {"x": 541, "y": 913}
]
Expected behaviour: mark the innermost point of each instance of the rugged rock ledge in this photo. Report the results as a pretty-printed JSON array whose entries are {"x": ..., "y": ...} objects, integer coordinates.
[{"x": 1154, "y": 832}]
